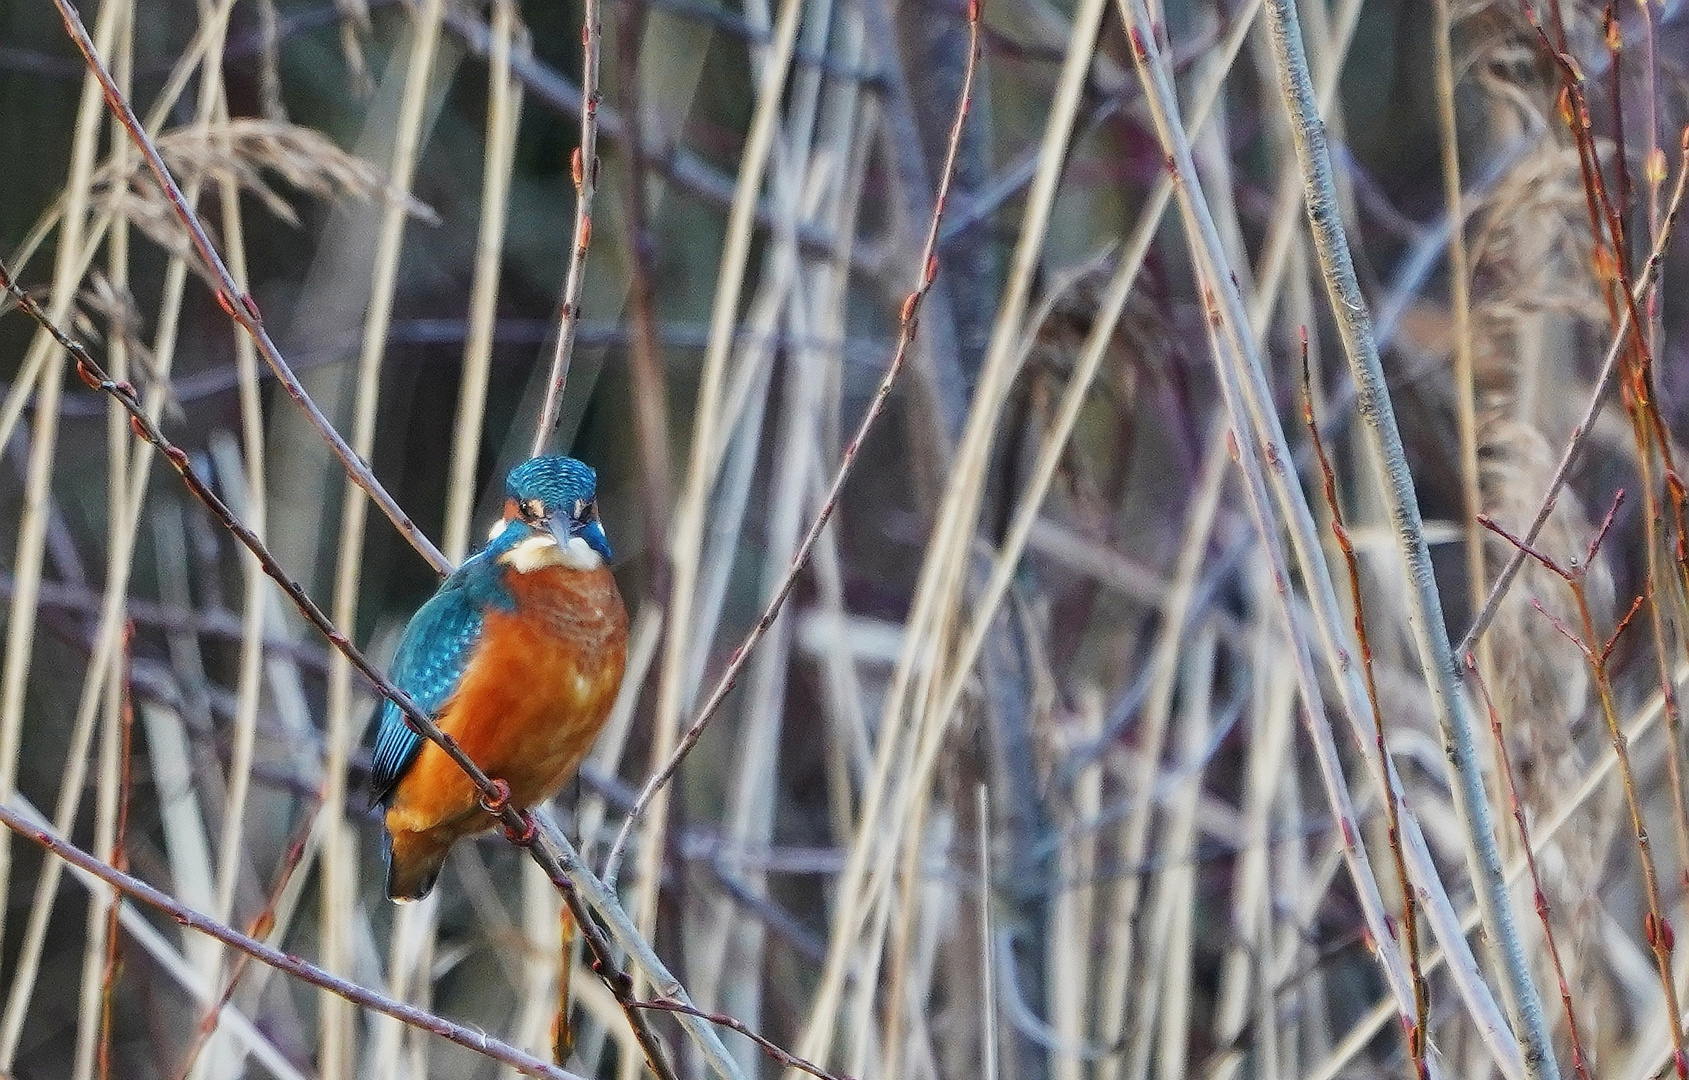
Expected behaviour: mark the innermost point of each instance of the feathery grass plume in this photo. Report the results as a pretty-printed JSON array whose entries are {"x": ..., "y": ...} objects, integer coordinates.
[{"x": 246, "y": 152}]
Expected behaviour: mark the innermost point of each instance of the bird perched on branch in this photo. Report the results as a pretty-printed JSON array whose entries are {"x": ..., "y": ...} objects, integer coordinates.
[{"x": 518, "y": 657}]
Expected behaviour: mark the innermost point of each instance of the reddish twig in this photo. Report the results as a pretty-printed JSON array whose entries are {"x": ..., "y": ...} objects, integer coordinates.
[
  {"x": 239, "y": 305},
  {"x": 776, "y": 1053},
  {"x": 119, "y": 856},
  {"x": 473, "y": 1039},
  {"x": 519, "y": 822},
  {"x": 585, "y": 169},
  {"x": 1580, "y": 1061},
  {"x": 1656, "y": 927},
  {"x": 1418, "y": 1033},
  {"x": 1586, "y": 423},
  {"x": 905, "y": 334},
  {"x": 1640, "y": 401}
]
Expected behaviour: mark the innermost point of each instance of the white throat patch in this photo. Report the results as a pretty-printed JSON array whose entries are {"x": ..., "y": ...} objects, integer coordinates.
[{"x": 541, "y": 551}]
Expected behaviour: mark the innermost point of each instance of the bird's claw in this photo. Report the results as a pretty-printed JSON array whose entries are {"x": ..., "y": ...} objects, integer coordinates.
[
  {"x": 525, "y": 836},
  {"x": 495, "y": 802}
]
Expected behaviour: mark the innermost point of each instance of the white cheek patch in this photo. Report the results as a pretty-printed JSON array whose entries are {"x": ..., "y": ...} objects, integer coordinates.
[
  {"x": 534, "y": 553},
  {"x": 539, "y": 552},
  {"x": 498, "y": 527},
  {"x": 579, "y": 555}
]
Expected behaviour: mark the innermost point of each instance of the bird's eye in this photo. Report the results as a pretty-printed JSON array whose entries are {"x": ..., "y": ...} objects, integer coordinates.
[{"x": 533, "y": 510}]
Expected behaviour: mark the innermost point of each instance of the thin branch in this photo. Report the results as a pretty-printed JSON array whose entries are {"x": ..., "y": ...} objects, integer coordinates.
[
  {"x": 1521, "y": 545},
  {"x": 240, "y": 305},
  {"x": 585, "y": 170},
  {"x": 775, "y": 1052},
  {"x": 119, "y": 857},
  {"x": 905, "y": 334},
  {"x": 478, "y": 1041}
]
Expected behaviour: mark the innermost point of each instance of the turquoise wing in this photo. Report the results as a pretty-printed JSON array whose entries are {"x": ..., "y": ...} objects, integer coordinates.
[
  {"x": 433, "y": 654},
  {"x": 435, "y": 651}
]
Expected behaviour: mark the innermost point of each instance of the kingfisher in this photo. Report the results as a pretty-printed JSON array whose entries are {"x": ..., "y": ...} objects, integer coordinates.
[{"x": 518, "y": 657}]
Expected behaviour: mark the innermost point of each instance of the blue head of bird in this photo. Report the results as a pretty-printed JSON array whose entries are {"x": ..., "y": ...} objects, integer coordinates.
[{"x": 558, "y": 497}]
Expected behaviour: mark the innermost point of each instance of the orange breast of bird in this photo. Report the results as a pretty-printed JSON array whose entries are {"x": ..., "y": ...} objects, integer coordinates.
[{"x": 532, "y": 699}]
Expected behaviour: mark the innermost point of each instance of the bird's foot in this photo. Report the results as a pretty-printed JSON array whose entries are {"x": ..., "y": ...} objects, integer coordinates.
[
  {"x": 524, "y": 836},
  {"x": 495, "y": 802}
]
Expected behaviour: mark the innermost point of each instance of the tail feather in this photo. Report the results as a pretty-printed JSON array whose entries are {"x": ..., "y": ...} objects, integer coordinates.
[{"x": 414, "y": 860}]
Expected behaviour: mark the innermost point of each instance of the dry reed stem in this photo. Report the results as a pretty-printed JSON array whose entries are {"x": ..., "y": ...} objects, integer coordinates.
[
  {"x": 822, "y": 131},
  {"x": 237, "y": 304},
  {"x": 906, "y": 327},
  {"x": 32, "y": 525},
  {"x": 232, "y": 848},
  {"x": 893, "y": 804},
  {"x": 1117, "y": 962},
  {"x": 1079, "y": 384},
  {"x": 585, "y": 171},
  {"x": 504, "y": 112},
  {"x": 111, "y": 825},
  {"x": 102, "y": 667},
  {"x": 1460, "y": 300},
  {"x": 1252, "y": 916},
  {"x": 687, "y": 544},
  {"x": 338, "y": 1038},
  {"x": 686, "y": 170},
  {"x": 98, "y": 964},
  {"x": 989, "y": 1036},
  {"x": 1173, "y": 909},
  {"x": 645, "y": 364},
  {"x": 676, "y": 681}
]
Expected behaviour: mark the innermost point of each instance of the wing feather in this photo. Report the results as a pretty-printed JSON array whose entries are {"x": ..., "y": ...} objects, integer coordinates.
[{"x": 433, "y": 655}]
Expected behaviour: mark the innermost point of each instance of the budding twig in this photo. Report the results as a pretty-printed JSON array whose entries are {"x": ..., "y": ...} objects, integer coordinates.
[{"x": 585, "y": 170}]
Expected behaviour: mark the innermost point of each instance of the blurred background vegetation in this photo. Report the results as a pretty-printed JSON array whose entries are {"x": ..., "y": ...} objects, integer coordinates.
[{"x": 1156, "y": 887}]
